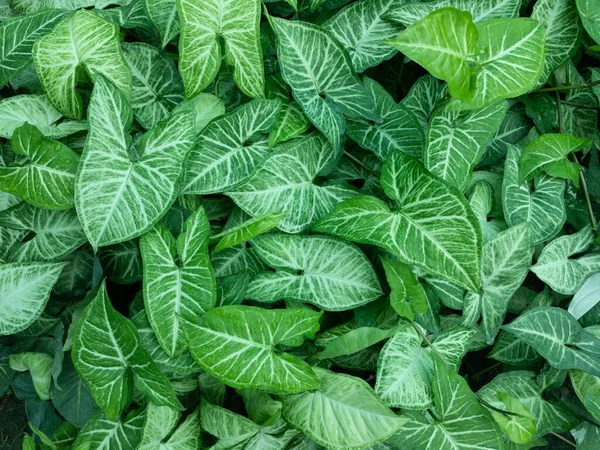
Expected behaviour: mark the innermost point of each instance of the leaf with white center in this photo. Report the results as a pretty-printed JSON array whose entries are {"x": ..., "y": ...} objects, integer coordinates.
[
  {"x": 304, "y": 50},
  {"x": 482, "y": 203},
  {"x": 586, "y": 298},
  {"x": 121, "y": 201},
  {"x": 236, "y": 344},
  {"x": 24, "y": 292},
  {"x": 178, "y": 279},
  {"x": 101, "y": 433},
  {"x": 364, "y": 42},
  {"x": 230, "y": 147},
  {"x": 206, "y": 106},
  {"x": 460, "y": 422},
  {"x": 399, "y": 129},
  {"x": 159, "y": 430},
  {"x": 163, "y": 14},
  {"x": 37, "y": 111},
  {"x": 17, "y": 36},
  {"x": 562, "y": 273},
  {"x": 39, "y": 365},
  {"x": 514, "y": 127},
  {"x": 83, "y": 40},
  {"x": 122, "y": 262},
  {"x": 231, "y": 429},
  {"x": 548, "y": 151},
  {"x": 245, "y": 231},
  {"x": 549, "y": 417},
  {"x": 329, "y": 273},
  {"x": 543, "y": 207},
  {"x": 559, "y": 338},
  {"x": 442, "y": 42},
  {"x": 505, "y": 264},
  {"x": 56, "y": 233},
  {"x": 344, "y": 413},
  {"x": 405, "y": 366},
  {"x": 46, "y": 178},
  {"x": 108, "y": 356},
  {"x": 563, "y": 32},
  {"x": 284, "y": 183},
  {"x": 589, "y": 11},
  {"x": 156, "y": 84},
  {"x": 432, "y": 228},
  {"x": 204, "y": 24},
  {"x": 456, "y": 141}
]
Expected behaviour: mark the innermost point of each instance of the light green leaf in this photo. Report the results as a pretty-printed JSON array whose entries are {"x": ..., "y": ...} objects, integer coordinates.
[
  {"x": 355, "y": 341},
  {"x": 46, "y": 178},
  {"x": 505, "y": 264},
  {"x": 399, "y": 129},
  {"x": 17, "y": 36},
  {"x": 407, "y": 296},
  {"x": 178, "y": 279},
  {"x": 203, "y": 26},
  {"x": 101, "y": 433},
  {"x": 230, "y": 428},
  {"x": 433, "y": 227},
  {"x": 460, "y": 422},
  {"x": 344, "y": 413},
  {"x": 24, "y": 292},
  {"x": 405, "y": 368},
  {"x": 303, "y": 50},
  {"x": 519, "y": 426},
  {"x": 559, "y": 338},
  {"x": 364, "y": 43},
  {"x": 57, "y": 233},
  {"x": 83, "y": 40},
  {"x": 143, "y": 180},
  {"x": 329, "y": 273},
  {"x": 290, "y": 123},
  {"x": 160, "y": 433},
  {"x": 245, "y": 231},
  {"x": 284, "y": 183},
  {"x": 456, "y": 141},
  {"x": 244, "y": 357},
  {"x": 563, "y": 274},
  {"x": 589, "y": 11},
  {"x": 156, "y": 84},
  {"x": 163, "y": 14},
  {"x": 230, "y": 147},
  {"x": 207, "y": 107},
  {"x": 108, "y": 356},
  {"x": 482, "y": 203},
  {"x": 586, "y": 298},
  {"x": 543, "y": 207},
  {"x": 39, "y": 365},
  {"x": 37, "y": 111}
]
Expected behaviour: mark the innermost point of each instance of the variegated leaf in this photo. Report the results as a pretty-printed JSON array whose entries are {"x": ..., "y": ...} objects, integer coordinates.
[
  {"x": 101, "y": 433},
  {"x": 163, "y": 14}
]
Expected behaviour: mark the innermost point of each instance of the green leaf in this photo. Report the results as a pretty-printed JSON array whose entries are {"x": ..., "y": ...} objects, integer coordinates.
[
  {"x": 108, "y": 356},
  {"x": 519, "y": 426},
  {"x": 407, "y": 296},
  {"x": 364, "y": 43},
  {"x": 460, "y": 422},
  {"x": 46, "y": 178},
  {"x": 543, "y": 207},
  {"x": 245, "y": 231},
  {"x": 514, "y": 127},
  {"x": 17, "y": 36},
  {"x": 482, "y": 203},
  {"x": 230, "y": 428},
  {"x": 456, "y": 141},
  {"x": 589, "y": 11},
  {"x": 244, "y": 357},
  {"x": 230, "y": 147},
  {"x": 143, "y": 181},
  {"x": 399, "y": 129},
  {"x": 83, "y": 40},
  {"x": 122, "y": 263},
  {"x": 586, "y": 298},
  {"x": 37, "y": 111},
  {"x": 24, "y": 292},
  {"x": 344, "y": 413},
  {"x": 101, "y": 433},
  {"x": 559, "y": 338},
  {"x": 354, "y": 341},
  {"x": 285, "y": 183},
  {"x": 290, "y": 123},
  {"x": 207, "y": 107},
  {"x": 163, "y": 14},
  {"x": 178, "y": 279},
  {"x": 303, "y": 50},
  {"x": 156, "y": 84},
  {"x": 329, "y": 273},
  {"x": 203, "y": 25},
  {"x": 562, "y": 273},
  {"x": 159, "y": 430},
  {"x": 425, "y": 95},
  {"x": 39, "y": 365},
  {"x": 433, "y": 227}
]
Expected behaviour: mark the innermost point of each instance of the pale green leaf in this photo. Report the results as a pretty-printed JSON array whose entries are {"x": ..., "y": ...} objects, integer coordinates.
[
  {"x": 589, "y": 10},
  {"x": 163, "y": 14},
  {"x": 355, "y": 341},
  {"x": 230, "y": 428},
  {"x": 519, "y": 426},
  {"x": 586, "y": 298},
  {"x": 482, "y": 203},
  {"x": 101, "y": 433},
  {"x": 329, "y": 273},
  {"x": 39, "y": 365},
  {"x": 207, "y": 107},
  {"x": 160, "y": 433},
  {"x": 245, "y": 231}
]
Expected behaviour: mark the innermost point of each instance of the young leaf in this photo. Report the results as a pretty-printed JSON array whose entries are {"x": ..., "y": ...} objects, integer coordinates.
[
  {"x": 329, "y": 273},
  {"x": 482, "y": 203},
  {"x": 244, "y": 357},
  {"x": 348, "y": 414},
  {"x": 407, "y": 296},
  {"x": 206, "y": 106},
  {"x": 519, "y": 425},
  {"x": 83, "y": 40},
  {"x": 39, "y": 366},
  {"x": 159, "y": 430},
  {"x": 245, "y": 231},
  {"x": 354, "y": 341},
  {"x": 143, "y": 178},
  {"x": 586, "y": 298},
  {"x": 163, "y": 14},
  {"x": 179, "y": 282}
]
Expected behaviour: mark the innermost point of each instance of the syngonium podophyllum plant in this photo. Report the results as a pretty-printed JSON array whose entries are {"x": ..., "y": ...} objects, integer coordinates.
[{"x": 299, "y": 224}]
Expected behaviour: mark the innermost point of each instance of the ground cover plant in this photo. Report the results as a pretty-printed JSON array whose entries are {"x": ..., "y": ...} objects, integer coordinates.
[{"x": 299, "y": 224}]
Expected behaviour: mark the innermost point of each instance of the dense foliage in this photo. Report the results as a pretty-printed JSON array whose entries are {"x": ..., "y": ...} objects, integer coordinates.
[{"x": 299, "y": 224}]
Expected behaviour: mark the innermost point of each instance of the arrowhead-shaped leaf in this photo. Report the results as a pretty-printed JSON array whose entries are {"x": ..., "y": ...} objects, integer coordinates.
[
  {"x": 39, "y": 365},
  {"x": 163, "y": 14}
]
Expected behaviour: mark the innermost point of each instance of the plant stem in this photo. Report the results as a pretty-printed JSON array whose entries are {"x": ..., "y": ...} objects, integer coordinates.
[
  {"x": 572, "y": 444},
  {"x": 487, "y": 369},
  {"x": 568, "y": 88},
  {"x": 428, "y": 342},
  {"x": 577, "y": 105},
  {"x": 361, "y": 164}
]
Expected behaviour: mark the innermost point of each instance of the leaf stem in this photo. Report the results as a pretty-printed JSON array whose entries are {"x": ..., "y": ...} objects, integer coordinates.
[
  {"x": 568, "y": 88},
  {"x": 572, "y": 444},
  {"x": 487, "y": 369},
  {"x": 428, "y": 342},
  {"x": 577, "y": 105},
  {"x": 360, "y": 163}
]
